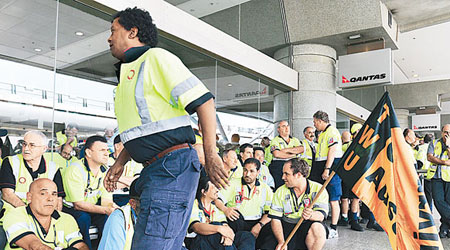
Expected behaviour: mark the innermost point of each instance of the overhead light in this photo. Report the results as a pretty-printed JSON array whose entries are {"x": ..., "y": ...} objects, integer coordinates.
[
  {"x": 353, "y": 37},
  {"x": 230, "y": 85},
  {"x": 415, "y": 75},
  {"x": 38, "y": 49},
  {"x": 79, "y": 33},
  {"x": 422, "y": 108}
]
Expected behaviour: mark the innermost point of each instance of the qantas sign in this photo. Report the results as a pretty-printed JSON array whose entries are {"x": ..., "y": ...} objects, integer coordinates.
[
  {"x": 365, "y": 68},
  {"x": 364, "y": 78}
]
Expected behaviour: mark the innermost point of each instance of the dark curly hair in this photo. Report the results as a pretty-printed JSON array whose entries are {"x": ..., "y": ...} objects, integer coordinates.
[{"x": 141, "y": 19}]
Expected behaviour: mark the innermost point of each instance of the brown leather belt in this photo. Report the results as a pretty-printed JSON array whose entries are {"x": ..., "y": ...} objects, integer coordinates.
[{"x": 163, "y": 153}]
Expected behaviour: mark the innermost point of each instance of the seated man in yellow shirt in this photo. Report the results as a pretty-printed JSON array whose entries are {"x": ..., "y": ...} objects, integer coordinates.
[
  {"x": 207, "y": 225},
  {"x": 39, "y": 225},
  {"x": 86, "y": 198},
  {"x": 290, "y": 203}
]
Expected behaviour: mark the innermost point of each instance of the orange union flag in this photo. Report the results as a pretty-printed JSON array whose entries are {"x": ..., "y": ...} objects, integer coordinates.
[{"x": 379, "y": 168}]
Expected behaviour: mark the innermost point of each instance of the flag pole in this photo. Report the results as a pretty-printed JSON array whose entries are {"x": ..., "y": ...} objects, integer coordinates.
[{"x": 310, "y": 206}]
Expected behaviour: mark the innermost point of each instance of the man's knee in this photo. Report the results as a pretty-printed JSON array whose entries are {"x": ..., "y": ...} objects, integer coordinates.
[{"x": 316, "y": 232}]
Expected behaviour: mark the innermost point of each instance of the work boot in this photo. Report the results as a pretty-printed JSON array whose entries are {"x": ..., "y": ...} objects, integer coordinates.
[
  {"x": 343, "y": 222},
  {"x": 354, "y": 225},
  {"x": 374, "y": 225}
]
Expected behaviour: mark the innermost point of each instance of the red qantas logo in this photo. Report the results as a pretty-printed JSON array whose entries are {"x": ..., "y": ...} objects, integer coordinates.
[
  {"x": 131, "y": 74},
  {"x": 344, "y": 80}
]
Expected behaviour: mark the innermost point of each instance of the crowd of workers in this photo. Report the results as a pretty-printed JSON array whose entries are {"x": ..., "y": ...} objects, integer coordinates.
[{"x": 54, "y": 199}]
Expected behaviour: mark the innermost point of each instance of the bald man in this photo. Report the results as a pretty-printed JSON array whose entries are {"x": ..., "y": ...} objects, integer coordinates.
[{"x": 39, "y": 225}]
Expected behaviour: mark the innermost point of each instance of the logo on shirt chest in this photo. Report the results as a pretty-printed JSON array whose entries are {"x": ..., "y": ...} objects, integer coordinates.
[
  {"x": 131, "y": 74},
  {"x": 22, "y": 180}
]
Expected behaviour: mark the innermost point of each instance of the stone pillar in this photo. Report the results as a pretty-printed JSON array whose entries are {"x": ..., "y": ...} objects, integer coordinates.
[
  {"x": 403, "y": 118},
  {"x": 316, "y": 65}
]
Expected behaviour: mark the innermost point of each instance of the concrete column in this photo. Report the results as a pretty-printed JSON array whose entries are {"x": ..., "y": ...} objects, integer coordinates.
[
  {"x": 317, "y": 83},
  {"x": 402, "y": 117}
]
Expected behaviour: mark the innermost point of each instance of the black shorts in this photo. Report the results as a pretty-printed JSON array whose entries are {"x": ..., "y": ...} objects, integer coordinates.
[{"x": 299, "y": 239}]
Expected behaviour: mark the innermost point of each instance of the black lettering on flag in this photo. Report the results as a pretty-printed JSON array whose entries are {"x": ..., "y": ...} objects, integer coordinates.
[{"x": 376, "y": 177}]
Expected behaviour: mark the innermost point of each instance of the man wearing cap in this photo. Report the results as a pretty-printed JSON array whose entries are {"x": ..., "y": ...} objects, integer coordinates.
[{"x": 119, "y": 228}]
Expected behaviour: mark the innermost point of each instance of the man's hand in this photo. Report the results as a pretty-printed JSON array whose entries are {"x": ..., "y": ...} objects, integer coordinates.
[
  {"x": 227, "y": 232},
  {"x": 232, "y": 213},
  {"x": 113, "y": 175},
  {"x": 325, "y": 174},
  {"x": 109, "y": 210},
  {"x": 280, "y": 245},
  {"x": 226, "y": 241},
  {"x": 215, "y": 170},
  {"x": 307, "y": 213},
  {"x": 256, "y": 229}
]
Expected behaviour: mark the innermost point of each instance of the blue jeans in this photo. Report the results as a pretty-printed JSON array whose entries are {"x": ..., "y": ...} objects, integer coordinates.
[
  {"x": 167, "y": 189},
  {"x": 242, "y": 241},
  {"x": 441, "y": 197}
]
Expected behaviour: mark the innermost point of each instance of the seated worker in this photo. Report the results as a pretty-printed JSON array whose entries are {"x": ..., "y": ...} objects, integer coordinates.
[
  {"x": 131, "y": 172},
  {"x": 245, "y": 152},
  {"x": 87, "y": 199},
  {"x": 39, "y": 225},
  {"x": 290, "y": 203},
  {"x": 19, "y": 171},
  {"x": 252, "y": 199},
  {"x": 264, "y": 174},
  {"x": 230, "y": 164},
  {"x": 119, "y": 228},
  {"x": 63, "y": 159},
  {"x": 207, "y": 226}
]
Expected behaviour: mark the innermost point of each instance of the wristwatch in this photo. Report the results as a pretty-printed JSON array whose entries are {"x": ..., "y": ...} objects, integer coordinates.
[{"x": 261, "y": 224}]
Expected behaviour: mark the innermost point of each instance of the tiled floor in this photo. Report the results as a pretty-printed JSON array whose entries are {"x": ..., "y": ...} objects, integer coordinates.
[{"x": 368, "y": 240}]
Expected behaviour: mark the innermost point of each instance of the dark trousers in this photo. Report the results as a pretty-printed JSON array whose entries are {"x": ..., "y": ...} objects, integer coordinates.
[
  {"x": 85, "y": 220},
  {"x": 428, "y": 192},
  {"x": 276, "y": 170},
  {"x": 167, "y": 189},
  {"x": 247, "y": 225},
  {"x": 242, "y": 241},
  {"x": 297, "y": 241},
  {"x": 441, "y": 197}
]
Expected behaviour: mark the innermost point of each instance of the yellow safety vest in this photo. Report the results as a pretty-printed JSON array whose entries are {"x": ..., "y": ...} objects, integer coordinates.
[
  {"x": 278, "y": 143},
  {"x": 422, "y": 156},
  {"x": 129, "y": 225},
  {"x": 251, "y": 203},
  {"x": 443, "y": 155},
  {"x": 62, "y": 138},
  {"x": 24, "y": 179},
  {"x": 60, "y": 162},
  {"x": 307, "y": 154},
  {"x": 268, "y": 155},
  {"x": 345, "y": 146},
  {"x": 288, "y": 207},
  {"x": 328, "y": 137},
  {"x": 152, "y": 94}
]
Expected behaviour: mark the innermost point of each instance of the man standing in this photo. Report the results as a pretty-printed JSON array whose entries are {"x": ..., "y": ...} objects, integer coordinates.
[
  {"x": 290, "y": 203},
  {"x": 251, "y": 198},
  {"x": 308, "y": 145},
  {"x": 283, "y": 148},
  {"x": 329, "y": 152},
  {"x": 154, "y": 98},
  {"x": 19, "y": 171},
  {"x": 439, "y": 173},
  {"x": 87, "y": 200},
  {"x": 346, "y": 191},
  {"x": 39, "y": 225},
  {"x": 264, "y": 175},
  {"x": 68, "y": 135},
  {"x": 265, "y": 143}
]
